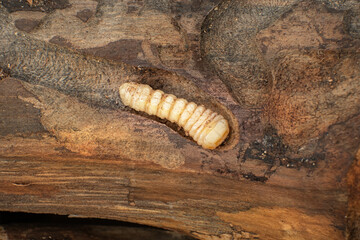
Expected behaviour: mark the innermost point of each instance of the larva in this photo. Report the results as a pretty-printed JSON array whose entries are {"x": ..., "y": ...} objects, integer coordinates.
[{"x": 206, "y": 127}]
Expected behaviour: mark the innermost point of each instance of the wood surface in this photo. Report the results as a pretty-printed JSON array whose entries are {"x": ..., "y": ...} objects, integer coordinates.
[{"x": 288, "y": 170}]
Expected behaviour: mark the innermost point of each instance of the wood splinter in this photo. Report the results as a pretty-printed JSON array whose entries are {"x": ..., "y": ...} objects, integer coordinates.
[{"x": 209, "y": 129}]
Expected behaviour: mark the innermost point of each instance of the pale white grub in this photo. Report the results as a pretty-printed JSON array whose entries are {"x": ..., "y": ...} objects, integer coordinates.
[{"x": 208, "y": 128}]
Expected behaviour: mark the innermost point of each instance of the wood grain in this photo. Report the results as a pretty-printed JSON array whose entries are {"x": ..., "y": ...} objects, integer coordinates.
[{"x": 73, "y": 152}]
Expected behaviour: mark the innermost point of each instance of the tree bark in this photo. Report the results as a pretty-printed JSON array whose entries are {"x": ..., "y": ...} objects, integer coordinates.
[{"x": 69, "y": 146}]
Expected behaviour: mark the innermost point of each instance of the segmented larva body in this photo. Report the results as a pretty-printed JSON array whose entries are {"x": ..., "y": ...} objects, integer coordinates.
[{"x": 206, "y": 127}]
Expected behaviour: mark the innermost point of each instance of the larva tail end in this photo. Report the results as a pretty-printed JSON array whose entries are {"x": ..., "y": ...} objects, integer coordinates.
[{"x": 217, "y": 135}]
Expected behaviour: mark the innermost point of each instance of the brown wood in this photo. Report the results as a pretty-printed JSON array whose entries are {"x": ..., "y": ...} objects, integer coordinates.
[{"x": 68, "y": 146}]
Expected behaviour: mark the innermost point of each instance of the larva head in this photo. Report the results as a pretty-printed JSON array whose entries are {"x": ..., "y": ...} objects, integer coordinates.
[{"x": 215, "y": 134}]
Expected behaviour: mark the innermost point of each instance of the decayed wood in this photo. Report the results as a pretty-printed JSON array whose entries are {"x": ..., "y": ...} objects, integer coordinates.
[
  {"x": 353, "y": 217},
  {"x": 241, "y": 39},
  {"x": 73, "y": 149}
]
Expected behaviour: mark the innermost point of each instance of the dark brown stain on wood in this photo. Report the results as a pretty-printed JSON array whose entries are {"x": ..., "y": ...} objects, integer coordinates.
[
  {"x": 17, "y": 116},
  {"x": 124, "y": 50},
  {"x": 35, "y": 5},
  {"x": 85, "y": 14},
  {"x": 60, "y": 41},
  {"x": 26, "y": 25}
]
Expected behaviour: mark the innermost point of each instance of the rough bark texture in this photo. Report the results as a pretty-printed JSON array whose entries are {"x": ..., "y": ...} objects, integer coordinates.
[
  {"x": 68, "y": 145},
  {"x": 241, "y": 39}
]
